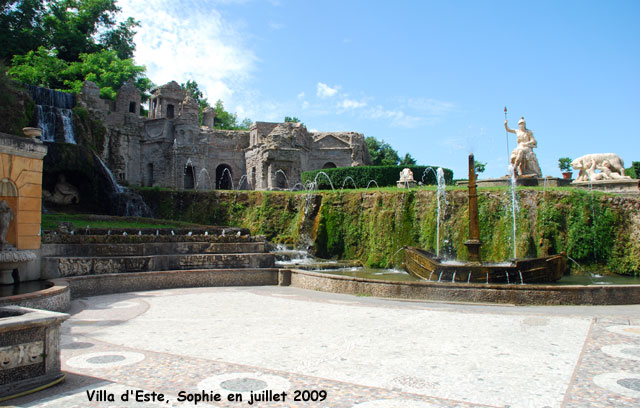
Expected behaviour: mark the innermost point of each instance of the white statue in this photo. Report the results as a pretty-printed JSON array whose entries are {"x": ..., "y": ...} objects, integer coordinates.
[
  {"x": 523, "y": 159},
  {"x": 406, "y": 175},
  {"x": 610, "y": 165}
]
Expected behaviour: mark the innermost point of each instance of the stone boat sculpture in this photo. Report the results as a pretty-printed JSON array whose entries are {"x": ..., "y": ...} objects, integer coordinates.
[{"x": 426, "y": 265}]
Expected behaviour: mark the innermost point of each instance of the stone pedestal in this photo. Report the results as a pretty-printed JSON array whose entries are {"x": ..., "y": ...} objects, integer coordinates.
[
  {"x": 520, "y": 181},
  {"x": 621, "y": 186},
  {"x": 409, "y": 184},
  {"x": 29, "y": 349}
]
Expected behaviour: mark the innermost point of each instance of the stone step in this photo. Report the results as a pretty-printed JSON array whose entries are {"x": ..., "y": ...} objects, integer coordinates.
[
  {"x": 149, "y": 249},
  {"x": 59, "y": 267}
]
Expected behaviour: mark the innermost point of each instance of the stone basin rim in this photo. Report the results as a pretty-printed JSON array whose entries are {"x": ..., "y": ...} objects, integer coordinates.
[{"x": 475, "y": 293}]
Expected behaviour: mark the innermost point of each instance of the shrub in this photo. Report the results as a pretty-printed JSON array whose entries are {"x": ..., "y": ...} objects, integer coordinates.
[{"x": 383, "y": 175}]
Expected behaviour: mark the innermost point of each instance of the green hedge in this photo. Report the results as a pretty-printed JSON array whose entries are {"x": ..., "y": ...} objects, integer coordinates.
[
  {"x": 383, "y": 175},
  {"x": 634, "y": 170}
]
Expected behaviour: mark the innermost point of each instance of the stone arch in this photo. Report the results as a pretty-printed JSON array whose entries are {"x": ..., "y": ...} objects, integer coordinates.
[
  {"x": 280, "y": 180},
  {"x": 224, "y": 177},
  {"x": 8, "y": 188},
  {"x": 329, "y": 165},
  {"x": 253, "y": 178},
  {"x": 189, "y": 178}
]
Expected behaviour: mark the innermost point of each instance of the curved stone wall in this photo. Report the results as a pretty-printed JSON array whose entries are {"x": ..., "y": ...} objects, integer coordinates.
[{"x": 476, "y": 293}]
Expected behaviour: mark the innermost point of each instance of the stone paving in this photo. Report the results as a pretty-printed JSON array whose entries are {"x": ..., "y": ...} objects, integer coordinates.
[{"x": 340, "y": 351}]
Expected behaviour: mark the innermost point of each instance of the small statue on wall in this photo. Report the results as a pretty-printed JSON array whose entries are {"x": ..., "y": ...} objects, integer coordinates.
[
  {"x": 63, "y": 193},
  {"x": 406, "y": 175},
  {"x": 6, "y": 216}
]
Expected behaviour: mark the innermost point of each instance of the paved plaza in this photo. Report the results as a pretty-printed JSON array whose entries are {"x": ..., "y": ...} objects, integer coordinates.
[{"x": 172, "y": 347}]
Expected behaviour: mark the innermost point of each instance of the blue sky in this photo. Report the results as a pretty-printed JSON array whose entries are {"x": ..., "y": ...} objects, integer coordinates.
[{"x": 431, "y": 78}]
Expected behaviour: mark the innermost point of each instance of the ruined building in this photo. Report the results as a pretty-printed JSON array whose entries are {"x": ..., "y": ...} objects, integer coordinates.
[{"x": 169, "y": 148}]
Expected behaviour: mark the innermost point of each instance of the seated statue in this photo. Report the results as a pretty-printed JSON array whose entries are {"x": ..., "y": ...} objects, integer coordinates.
[
  {"x": 64, "y": 193},
  {"x": 523, "y": 159},
  {"x": 610, "y": 165}
]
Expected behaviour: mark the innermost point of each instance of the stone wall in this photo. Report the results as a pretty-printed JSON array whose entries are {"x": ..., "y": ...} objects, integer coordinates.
[
  {"x": 597, "y": 230},
  {"x": 170, "y": 148},
  {"x": 21, "y": 188}
]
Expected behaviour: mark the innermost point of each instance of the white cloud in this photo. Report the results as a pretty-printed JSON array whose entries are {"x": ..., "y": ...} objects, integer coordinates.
[
  {"x": 275, "y": 26},
  {"x": 397, "y": 118},
  {"x": 351, "y": 104},
  {"x": 325, "y": 91},
  {"x": 190, "y": 40},
  {"x": 301, "y": 95},
  {"x": 431, "y": 107}
]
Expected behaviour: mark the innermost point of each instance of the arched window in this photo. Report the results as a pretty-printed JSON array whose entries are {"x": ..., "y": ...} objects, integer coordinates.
[
  {"x": 329, "y": 165},
  {"x": 153, "y": 108},
  {"x": 224, "y": 177},
  {"x": 281, "y": 180},
  {"x": 170, "y": 111},
  {"x": 253, "y": 178},
  {"x": 189, "y": 179},
  {"x": 8, "y": 188}
]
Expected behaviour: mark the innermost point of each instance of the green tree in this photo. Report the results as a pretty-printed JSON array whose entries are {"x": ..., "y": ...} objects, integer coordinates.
[
  {"x": 407, "y": 160},
  {"x": 194, "y": 91},
  {"x": 72, "y": 27},
  {"x": 41, "y": 68},
  {"x": 479, "y": 167},
  {"x": 289, "y": 119},
  {"x": 107, "y": 70},
  {"x": 44, "y": 68},
  {"x": 21, "y": 28},
  {"x": 227, "y": 120},
  {"x": 382, "y": 154}
]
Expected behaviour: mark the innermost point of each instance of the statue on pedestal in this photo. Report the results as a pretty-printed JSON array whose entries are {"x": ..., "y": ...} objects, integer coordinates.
[
  {"x": 523, "y": 159},
  {"x": 610, "y": 165},
  {"x": 406, "y": 179}
]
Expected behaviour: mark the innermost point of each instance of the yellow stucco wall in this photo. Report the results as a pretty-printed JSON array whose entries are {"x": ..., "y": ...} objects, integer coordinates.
[{"x": 26, "y": 174}]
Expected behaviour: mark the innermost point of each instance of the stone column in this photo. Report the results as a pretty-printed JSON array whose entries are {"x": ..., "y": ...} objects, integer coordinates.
[{"x": 208, "y": 117}]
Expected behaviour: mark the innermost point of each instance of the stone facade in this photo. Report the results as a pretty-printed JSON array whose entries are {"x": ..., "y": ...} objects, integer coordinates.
[{"x": 170, "y": 149}]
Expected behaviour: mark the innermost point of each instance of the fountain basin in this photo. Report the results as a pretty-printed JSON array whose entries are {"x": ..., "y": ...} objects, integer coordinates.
[
  {"x": 425, "y": 265},
  {"x": 51, "y": 295},
  {"x": 29, "y": 349},
  {"x": 10, "y": 260},
  {"x": 468, "y": 293}
]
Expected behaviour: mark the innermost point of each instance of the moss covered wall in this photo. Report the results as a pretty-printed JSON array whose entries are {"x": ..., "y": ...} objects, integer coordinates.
[{"x": 594, "y": 229}]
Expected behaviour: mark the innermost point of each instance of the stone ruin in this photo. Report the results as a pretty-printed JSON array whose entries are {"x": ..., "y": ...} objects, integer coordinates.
[{"x": 170, "y": 149}]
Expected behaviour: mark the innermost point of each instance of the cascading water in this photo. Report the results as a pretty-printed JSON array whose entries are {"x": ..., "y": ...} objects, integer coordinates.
[
  {"x": 344, "y": 182},
  {"x": 441, "y": 197},
  {"x": 514, "y": 206},
  {"x": 53, "y": 113},
  {"x": 226, "y": 172},
  {"x": 126, "y": 202}
]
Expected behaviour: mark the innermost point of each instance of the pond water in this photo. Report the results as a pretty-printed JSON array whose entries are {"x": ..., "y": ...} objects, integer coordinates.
[
  {"x": 302, "y": 260},
  {"x": 400, "y": 275},
  {"x": 23, "y": 288}
]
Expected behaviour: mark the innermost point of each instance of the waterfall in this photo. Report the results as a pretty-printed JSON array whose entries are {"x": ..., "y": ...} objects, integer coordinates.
[
  {"x": 125, "y": 202},
  {"x": 53, "y": 113}
]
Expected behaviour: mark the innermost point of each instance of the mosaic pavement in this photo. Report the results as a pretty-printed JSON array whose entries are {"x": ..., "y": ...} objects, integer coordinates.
[{"x": 187, "y": 347}]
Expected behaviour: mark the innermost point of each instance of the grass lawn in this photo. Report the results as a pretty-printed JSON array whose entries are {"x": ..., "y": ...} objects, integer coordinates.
[{"x": 51, "y": 221}]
